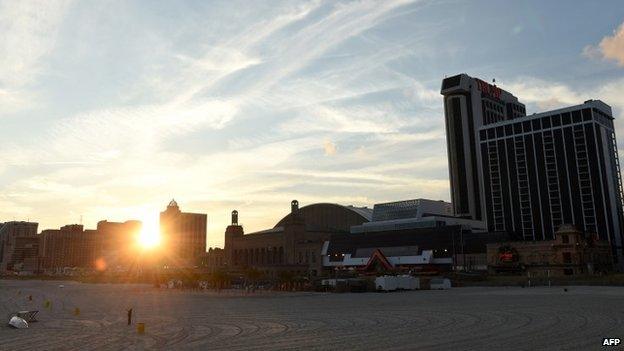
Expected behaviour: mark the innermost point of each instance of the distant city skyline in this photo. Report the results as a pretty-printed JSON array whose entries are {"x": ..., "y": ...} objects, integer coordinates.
[{"x": 110, "y": 110}]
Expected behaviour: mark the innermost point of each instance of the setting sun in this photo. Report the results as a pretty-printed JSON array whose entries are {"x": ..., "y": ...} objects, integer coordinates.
[{"x": 149, "y": 236}]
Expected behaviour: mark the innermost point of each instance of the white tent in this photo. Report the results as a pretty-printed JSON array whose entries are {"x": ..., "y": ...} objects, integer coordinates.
[{"x": 17, "y": 322}]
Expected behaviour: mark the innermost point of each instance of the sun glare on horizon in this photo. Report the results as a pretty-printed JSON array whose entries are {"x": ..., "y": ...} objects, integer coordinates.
[{"x": 149, "y": 236}]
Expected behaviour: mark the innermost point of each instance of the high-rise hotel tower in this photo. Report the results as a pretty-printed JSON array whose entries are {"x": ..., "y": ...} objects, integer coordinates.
[
  {"x": 529, "y": 174},
  {"x": 184, "y": 236}
]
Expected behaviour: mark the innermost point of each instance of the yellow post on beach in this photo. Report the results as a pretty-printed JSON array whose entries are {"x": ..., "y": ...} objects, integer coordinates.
[
  {"x": 140, "y": 328},
  {"x": 47, "y": 304},
  {"x": 76, "y": 311}
]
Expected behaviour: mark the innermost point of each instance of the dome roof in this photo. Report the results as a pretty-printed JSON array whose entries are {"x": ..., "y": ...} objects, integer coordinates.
[
  {"x": 172, "y": 203},
  {"x": 333, "y": 217}
]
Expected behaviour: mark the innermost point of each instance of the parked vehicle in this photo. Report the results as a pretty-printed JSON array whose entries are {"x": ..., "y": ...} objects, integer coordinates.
[
  {"x": 407, "y": 282},
  {"x": 386, "y": 283}
]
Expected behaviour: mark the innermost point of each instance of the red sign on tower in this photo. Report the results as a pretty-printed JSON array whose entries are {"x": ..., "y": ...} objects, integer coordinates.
[{"x": 489, "y": 89}]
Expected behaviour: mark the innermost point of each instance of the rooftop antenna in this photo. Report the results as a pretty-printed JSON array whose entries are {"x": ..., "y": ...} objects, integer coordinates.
[
  {"x": 80, "y": 219},
  {"x": 494, "y": 81}
]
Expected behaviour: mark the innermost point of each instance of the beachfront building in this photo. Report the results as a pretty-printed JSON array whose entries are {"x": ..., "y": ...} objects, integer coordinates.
[
  {"x": 183, "y": 237},
  {"x": 294, "y": 244},
  {"x": 529, "y": 174}
]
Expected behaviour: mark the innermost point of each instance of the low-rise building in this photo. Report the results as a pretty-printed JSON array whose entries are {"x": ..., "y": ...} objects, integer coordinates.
[
  {"x": 213, "y": 259},
  {"x": 70, "y": 246},
  {"x": 413, "y": 214},
  {"x": 18, "y": 240},
  {"x": 569, "y": 253},
  {"x": 434, "y": 249}
]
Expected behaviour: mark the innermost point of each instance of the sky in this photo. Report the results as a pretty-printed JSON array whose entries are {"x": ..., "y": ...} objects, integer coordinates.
[{"x": 109, "y": 109}]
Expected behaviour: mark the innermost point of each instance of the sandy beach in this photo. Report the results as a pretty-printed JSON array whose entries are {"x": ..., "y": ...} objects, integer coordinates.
[{"x": 461, "y": 318}]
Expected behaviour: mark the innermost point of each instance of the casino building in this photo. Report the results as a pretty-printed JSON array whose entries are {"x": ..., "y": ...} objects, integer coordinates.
[
  {"x": 183, "y": 235},
  {"x": 321, "y": 238},
  {"x": 413, "y": 214},
  {"x": 118, "y": 243},
  {"x": 528, "y": 175},
  {"x": 469, "y": 104},
  {"x": 417, "y": 235},
  {"x": 70, "y": 246}
]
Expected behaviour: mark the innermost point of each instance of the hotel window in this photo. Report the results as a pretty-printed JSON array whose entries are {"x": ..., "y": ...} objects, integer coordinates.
[
  {"x": 556, "y": 120},
  {"x": 509, "y": 129},
  {"x": 517, "y": 128},
  {"x": 500, "y": 132},
  {"x": 526, "y": 125},
  {"x": 566, "y": 119},
  {"x": 576, "y": 117},
  {"x": 546, "y": 122},
  {"x": 536, "y": 124}
]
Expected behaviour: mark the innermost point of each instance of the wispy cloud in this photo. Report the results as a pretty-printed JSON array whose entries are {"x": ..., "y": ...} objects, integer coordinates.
[
  {"x": 226, "y": 106},
  {"x": 29, "y": 30},
  {"x": 543, "y": 94}
]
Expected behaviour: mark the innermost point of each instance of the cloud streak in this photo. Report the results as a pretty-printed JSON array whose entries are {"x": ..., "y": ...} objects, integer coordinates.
[
  {"x": 226, "y": 106},
  {"x": 29, "y": 30},
  {"x": 121, "y": 156}
]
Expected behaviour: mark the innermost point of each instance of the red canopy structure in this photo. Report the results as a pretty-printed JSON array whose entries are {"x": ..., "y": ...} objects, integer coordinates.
[{"x": 377, "y": 259}]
